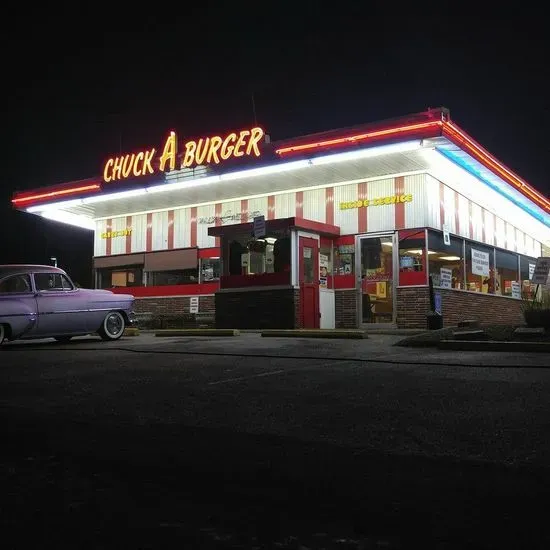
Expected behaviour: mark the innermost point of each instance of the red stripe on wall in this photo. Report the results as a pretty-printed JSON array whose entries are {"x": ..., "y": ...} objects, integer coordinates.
[
  {"x": 399, "y": 184},
  {"x": 218, "y": 219},
  {"x": 129, "y": 237},
  {"x": 329, "y": 205},
  {"x": 441, "y": 205},
  {"x": 149, "y": 233},
  {"x": 457, "y": 215},
  {"x": 271, "y": 207},
  {"x": 170, "y": 229},
  {"x": 244, "y": 211},
  {"x": 362, "y": 212},
  {"x": 193, "y": 241},
  {"x": 470, "y": 220},
  {"x": 108, "y": 241},
  {"x": 299, "y": 204}
]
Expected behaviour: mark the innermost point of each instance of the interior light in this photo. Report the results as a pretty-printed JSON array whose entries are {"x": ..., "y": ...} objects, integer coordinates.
[
  {"x": 450, "y": 258},
  {"x": 68, "y": 218},
  {"x": 419, "y": 251}
]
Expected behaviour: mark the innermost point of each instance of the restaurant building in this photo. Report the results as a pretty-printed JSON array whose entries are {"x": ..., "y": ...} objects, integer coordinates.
[{"x": 340, "y": 229}]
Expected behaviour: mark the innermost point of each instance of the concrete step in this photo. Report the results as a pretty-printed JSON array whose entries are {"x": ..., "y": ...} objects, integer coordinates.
[{"x": 470, "y": 335}]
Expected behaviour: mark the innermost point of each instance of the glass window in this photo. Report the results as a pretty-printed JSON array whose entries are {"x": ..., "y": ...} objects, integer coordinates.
[
  {"x": 15, "y": 284},
  {"x": 210, "y": 269},
  {"x": 121, "y": 277},
  {"x": 325, "y": 265},
  {"x": 52, "y": 281},
  {"x": 506, "y": 272},
  {"x": 446, "y": 261},
  {"x": 344, "y": 259},
  {"x": 480, "y": 268},
  {"x": 412, "y": 257},
  {"x": 527, "y": 268},
  {"x": 176, "y": 277}
]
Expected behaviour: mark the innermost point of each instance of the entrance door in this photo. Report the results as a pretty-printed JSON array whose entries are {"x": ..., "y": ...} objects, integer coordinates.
[
  {"x": 375, "y": 284},
  {"x": 309, "y": 282}
]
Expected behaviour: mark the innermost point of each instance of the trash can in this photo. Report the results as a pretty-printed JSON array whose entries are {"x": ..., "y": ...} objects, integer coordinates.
[{"x": 434, "y": 320}]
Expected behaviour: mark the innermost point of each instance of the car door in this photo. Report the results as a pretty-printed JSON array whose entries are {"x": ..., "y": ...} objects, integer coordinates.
[
  {"x": 61, "y": 307},
  {"x": 18, "y": 304}
]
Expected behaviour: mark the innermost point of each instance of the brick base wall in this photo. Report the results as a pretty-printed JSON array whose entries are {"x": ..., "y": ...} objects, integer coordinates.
[
  {"x": 174, "y": 312},
  {"x": 413, "y": 305},
  {"x": 258, "y": 309},
  {"x": 345, "y": 308}
]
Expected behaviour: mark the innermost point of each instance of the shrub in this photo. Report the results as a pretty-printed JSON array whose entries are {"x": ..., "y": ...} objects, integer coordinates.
[{"x": 537, "y": 312}]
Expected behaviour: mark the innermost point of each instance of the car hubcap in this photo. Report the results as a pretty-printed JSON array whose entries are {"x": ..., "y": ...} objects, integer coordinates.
[{"x": 114, "y": 324}]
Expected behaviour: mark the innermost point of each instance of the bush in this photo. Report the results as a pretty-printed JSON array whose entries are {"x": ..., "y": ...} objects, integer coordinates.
[{"x": 537, "y": 312}]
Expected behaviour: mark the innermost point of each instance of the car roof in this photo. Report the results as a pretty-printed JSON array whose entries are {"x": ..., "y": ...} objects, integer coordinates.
[{"x": 14, "y": 269}]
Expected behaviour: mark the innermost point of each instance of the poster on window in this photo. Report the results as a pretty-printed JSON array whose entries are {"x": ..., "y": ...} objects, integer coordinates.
[
  {"x": 446, "y": 277},
  {"x": 323, "y": 270},
  {"x": 480, "y": 262},
  {"x": 516, "y": 290}
]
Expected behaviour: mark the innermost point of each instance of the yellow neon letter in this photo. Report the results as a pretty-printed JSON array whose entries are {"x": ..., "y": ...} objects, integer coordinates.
[
  {"x": 227, "y": 149},
  {"x": 170, "y": 152},
  {"x": 215, "y": 143},
  {"x": 189, "y": 156},
  {"x": 117, "y": 168},
  {"x": 240, "y": 143},
  {"x": 106, "y": 171},
  {"x": 137, "y": 170},
  {"x": 127, "y": 166},
  {"x": 256, "y": 134},
  {"x": 147, "y": 161},
  {"x": 202, "y": 148}
]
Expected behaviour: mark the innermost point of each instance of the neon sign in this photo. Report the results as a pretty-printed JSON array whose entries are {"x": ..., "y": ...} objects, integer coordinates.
[
  {"x": 395, "y": 199},
  {"x": 210, "y": 150}
]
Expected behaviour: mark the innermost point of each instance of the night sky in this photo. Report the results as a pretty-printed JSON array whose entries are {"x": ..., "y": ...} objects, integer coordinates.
[{"x": 76, "y": 92}]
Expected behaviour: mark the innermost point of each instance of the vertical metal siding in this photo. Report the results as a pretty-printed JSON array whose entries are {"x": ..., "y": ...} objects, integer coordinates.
[
  {"x": 315, "y": 205},
  {"x": 500, "y": 233},
  {"x": 259, "y": 206},
  {"x": 118, "y": 244},
  {"x": 450, "y": 209},
  {"x": 489, "y": 223},
  {"x": 477, "y": 222},
  {"x": 160, "y": 230},
  {"x": 381, "y": 217},
  {"x": 231, "y": 212},
  {"x": 139, "y": 232},
  {"x": 463, "y": 210},
  {"x": 510, "y": 237},
  {"x": 433, "y": 218},
  {"x": 203, "y": 239},
  {"x": 346, "y": 219},
  {"x": 418, "y": 212},
  {"x": 285, "y": 205},
  {"x": 99, "y": 243},
  {"x": 182, "y": 228},
  {"x": 520, "y": 241}
]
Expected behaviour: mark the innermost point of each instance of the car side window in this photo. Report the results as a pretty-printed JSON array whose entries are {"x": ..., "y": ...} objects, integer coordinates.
[
  {"x": 15, "y": 284},
  {"x": 52, "y": 281}
]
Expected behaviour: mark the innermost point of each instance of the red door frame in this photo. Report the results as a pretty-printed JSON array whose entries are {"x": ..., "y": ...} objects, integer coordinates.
[{"x": 309, "y": 292}]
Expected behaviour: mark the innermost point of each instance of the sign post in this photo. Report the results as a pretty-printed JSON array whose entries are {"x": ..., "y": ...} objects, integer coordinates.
[{"x": 259, "y": 227}]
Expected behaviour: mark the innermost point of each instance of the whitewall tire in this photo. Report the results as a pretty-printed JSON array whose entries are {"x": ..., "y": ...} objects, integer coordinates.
[{"x": 113, "y": 326}]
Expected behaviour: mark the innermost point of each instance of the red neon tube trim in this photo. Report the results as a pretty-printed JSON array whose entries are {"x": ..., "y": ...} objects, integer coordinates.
[
  {"x": 358, "y": 137},
  {"x": 498, "y": 167},
  {"x": 51, "y": 194}
]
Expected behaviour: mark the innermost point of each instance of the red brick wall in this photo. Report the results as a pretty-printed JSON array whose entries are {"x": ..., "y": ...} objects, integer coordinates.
[
  {"x": 413, "y": 305},
  {"x": 176, "y": 308},
  {"x": 346, "y": 308}
]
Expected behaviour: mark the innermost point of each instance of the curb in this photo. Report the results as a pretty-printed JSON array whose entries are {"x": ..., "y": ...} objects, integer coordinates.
[
  {"x": 492, "y": 345},
  {"x": 131, "y": 332},
  {"x": 197, "y": 332},
  {"x": 316, "y": 333}
]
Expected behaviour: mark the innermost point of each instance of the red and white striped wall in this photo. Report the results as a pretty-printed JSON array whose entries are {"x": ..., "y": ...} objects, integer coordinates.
[{"x": 433, "y": 204}]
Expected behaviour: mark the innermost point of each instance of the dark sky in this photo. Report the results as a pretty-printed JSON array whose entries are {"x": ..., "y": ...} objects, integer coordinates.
[{"x": 77, "y": 88}]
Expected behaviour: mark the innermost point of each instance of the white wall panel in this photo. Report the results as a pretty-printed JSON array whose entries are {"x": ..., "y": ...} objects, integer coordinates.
[
  {"x": 417, "y": 211},
  {"x": 477, "y": 222},
  {"x": 285, "y": 205},
  {"x": 510, "y": 237},
  {"x": 182, "y": 228},
  {"x": 433, "y": 218},
  {"x": 203, "y": 239},
  {"x": 463, "y": 208},
  {"x": 520, "y": 241},
  {"x": 449, "y": 209},
  {"x": 346, "y": 219},
  {"x": 160, "y": 230},
  {"x": 231, "y": 212},
  {"x": 139, "y": 232},
  {"x": 382, "y": 217},
  {"x": 500, "y": 232},
  {"x": 489, "y": 223},
  {"x": 259, "y": 206},
  {"x": 314, "y": 205},
  {"x": 118, "y": 244},
  {"x": 100, "y": 245}
]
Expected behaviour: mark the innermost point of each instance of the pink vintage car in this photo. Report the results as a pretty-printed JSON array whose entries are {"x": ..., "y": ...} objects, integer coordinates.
[{"x": 40, "y": 301}]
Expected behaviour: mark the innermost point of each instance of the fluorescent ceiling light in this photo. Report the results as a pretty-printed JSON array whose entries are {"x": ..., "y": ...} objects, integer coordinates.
[
  {"x": 449, "y": 258},
  {"x": 414, "y": 251},
  {"x": 68, "y": 218}
]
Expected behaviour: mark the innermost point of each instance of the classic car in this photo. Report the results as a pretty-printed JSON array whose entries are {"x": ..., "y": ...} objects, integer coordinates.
[{"x": 41, "y": 301}]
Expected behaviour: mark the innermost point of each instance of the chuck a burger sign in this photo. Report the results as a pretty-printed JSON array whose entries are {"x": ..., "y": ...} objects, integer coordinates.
[{"x": 175, "y": 156}]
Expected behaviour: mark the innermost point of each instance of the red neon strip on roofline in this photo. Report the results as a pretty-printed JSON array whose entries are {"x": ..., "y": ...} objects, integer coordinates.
[
  {"x": 60, "y": 192},
  {"x": 358, "y": 137},
  {"x": 506, "y": 174}
]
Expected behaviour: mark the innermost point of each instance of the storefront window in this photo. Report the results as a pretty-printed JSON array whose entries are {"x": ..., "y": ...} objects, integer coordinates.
[
  {"x": 325, "y": 266},
  {"x": 506, "y": 274},
  {"x": 344, "y": 259},
  {"x": 446, "y": 261},
  {"x": 412, "y": 257},
  {"x": 176, "y": 277},
  {"x": 480, "y": 268},
  {"x": 527, "y": 268},
  {"x": 210, "y": 269},
  {"x": 120, "y": 277}
]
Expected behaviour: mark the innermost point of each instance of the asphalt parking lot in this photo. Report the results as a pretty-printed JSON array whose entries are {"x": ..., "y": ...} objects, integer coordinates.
[{"x": 246, "y": 442}]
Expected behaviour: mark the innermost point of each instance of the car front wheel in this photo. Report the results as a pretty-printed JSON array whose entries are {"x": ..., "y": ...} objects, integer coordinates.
[
  {"x": 113, "y": 326},
  {"x": 2, "y": 334}
]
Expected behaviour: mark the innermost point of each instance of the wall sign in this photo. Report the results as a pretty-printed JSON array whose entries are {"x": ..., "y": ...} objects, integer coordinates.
[
  {"x": 114, "y": 234},
  {"x": 381, "y": 201},
  {"x": 540, "y": 274},
  {"x": 210, "y": 150},
  {"x": 446, "y": 277},
  {"x": 480, "y": 262},
  {"x": 229, "y": 216}
]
